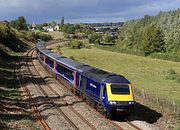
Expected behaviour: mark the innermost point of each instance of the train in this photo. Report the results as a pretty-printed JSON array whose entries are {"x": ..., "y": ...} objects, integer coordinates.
[{"x": 110, "y": 93}]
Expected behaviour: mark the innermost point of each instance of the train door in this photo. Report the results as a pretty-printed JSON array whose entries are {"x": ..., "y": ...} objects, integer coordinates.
[
  {"x": 102, "y": 93},
  {"x": 84, "y": 83},
  {"x": 79, "y": 80}
]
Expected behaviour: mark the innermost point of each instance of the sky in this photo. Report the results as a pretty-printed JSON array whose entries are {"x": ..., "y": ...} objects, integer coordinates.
[{"x": 83, "y": 11}]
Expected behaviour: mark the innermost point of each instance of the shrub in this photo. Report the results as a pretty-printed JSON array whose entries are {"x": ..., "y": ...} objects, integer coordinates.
[
  {"x": 94, "y": 38},
  {"x": 75, "y": 44},
  {"x": 71, "y": 57},
  {"x": 43, "y": 36},
  {"x": 171, "y": 74}
]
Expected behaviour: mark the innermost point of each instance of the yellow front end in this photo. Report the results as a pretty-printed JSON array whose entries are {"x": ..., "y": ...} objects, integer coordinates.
[{"x": 119, "y": 97}]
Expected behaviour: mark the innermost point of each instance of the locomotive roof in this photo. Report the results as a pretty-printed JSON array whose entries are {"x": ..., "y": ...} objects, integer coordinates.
[
  {"x": 101, "y": 75},
  {"x": 69, "y": 62}
]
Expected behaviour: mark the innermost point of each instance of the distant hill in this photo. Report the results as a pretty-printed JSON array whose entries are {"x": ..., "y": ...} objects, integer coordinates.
[
  {"x": 118, "y": 24},
  {"x": 152, "y": 34}
]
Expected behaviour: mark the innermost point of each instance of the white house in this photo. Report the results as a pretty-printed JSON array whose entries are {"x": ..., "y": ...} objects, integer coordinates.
[{"x": 50, "y": 29}]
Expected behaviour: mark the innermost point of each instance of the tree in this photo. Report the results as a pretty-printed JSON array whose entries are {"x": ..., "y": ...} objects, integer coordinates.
[
  {"x": 64, "y": 28},
  {"x": 94, "y": 38},
  {"x": 45, "y": 24},
  {"x": 152, "y": 40},
  {"x": 53, "y": 24},
  {"x": 107, "y": 38},
  {"x": 20, "y": 23},
  {"x": 62, "y": 21},
  {"x": 71, "y": 29}
]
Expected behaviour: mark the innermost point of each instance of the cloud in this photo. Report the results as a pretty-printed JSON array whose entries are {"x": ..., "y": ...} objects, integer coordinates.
[{"x": 83, "y": 10}]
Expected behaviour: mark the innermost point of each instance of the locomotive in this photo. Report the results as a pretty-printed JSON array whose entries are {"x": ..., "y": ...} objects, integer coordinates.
[{"x": 111, "y": 92}]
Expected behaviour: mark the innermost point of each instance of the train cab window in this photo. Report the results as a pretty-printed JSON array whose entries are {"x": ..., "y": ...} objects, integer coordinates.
[{"x": 120, "y": 89}]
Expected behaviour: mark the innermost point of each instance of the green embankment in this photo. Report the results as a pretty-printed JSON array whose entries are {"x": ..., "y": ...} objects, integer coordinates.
[{"x": 145, "y": 73}]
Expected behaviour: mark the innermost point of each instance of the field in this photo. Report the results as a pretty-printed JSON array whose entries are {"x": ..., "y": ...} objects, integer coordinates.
[
  {"x": 56, "y": 35},
  {"x": 145, "y": 73}
]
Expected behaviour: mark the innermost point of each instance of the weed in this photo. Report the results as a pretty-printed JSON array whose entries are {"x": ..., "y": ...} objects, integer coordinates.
[
  {"x": 71, "y": 57},
  {"x": 171, "y": 74}
]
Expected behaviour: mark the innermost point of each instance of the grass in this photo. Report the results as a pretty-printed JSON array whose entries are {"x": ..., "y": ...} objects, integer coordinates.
[
  {"x": 56, "y": 35},
  {"x": 145, "y": 73}
]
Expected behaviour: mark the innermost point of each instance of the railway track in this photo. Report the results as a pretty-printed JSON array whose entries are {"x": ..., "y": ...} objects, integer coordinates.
[
  {"x": 58, "y": 95},
  {"x": 26, "y": 95}
]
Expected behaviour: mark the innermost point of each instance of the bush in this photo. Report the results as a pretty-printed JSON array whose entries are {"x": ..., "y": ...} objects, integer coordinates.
[
  {"x": 71, "y": 57},
  {"x": 94, "y": 38},
  {"x": 43, "y": 36},
  {"x": 171, "y": 74},
  {"x": 75, "y": 44}
]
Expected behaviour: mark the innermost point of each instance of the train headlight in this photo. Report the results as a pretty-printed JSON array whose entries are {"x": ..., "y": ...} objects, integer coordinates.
[
  {"x": 112, "y": 102},
  {"x": 131, "y": 102}
]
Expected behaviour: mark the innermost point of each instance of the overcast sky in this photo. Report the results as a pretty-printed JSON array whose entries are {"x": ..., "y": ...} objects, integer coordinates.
[{"x": 78, "y": 11}]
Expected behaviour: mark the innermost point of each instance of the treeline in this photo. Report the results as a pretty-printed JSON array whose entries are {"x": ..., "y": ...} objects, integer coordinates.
[
  {"x": 119, "y": 24},
  {"x": 76, "y": 28},
  {"x": 15, "y": 35},
  {"x": 152, "y": 34},
  {"x": 12, "y": 38}
]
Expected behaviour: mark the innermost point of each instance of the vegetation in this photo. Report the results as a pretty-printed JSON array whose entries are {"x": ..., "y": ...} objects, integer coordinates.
[
  {"x": 19, "y": 24},
  {"x": 119, "y": 24},
  {"x": 77, "y": 28},
  {"x": 144, "y": 73},
  {"x": 12, "y": 38},
  {"x": 76, "y": 44},
  {"x": 13, "y": 110},
  {"x": 94, "y": 38},
  {"x": 62, "y": 21},
  {"x": 152, "y": 34},
  {"x": 56, "y": 35},
  {"x": 173, "y": 75},
  {"x": 43, "y": 36}
]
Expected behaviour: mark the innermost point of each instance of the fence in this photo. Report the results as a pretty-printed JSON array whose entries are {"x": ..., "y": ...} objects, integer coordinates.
[{"x": 156, "y": 99}]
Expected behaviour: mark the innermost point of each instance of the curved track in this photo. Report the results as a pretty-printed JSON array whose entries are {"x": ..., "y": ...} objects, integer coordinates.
[{"x": 26, "y": 95}]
